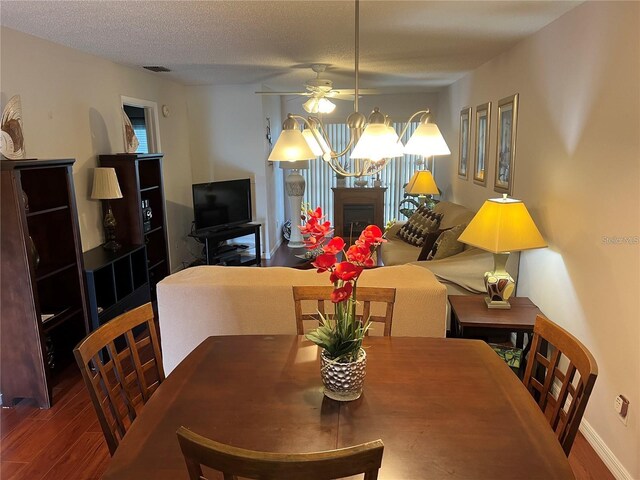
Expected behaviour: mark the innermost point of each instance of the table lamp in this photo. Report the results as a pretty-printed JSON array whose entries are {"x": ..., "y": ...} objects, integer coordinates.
[
  {"x": 422, "y": 184},
  {"x": 501, "y": 226},
  {"x": 106, "y": 187},
  {"x": 295, "y": 185}
]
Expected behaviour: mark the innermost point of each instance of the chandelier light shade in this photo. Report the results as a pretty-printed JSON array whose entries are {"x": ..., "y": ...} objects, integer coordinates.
[
  {"x": 502, "y": 225},
  {"x": 291, "y": 146},
  {"x": 427, "y": 141},
  {"x": 316, "y": 143},
  {"x": 377, "y": 143}
]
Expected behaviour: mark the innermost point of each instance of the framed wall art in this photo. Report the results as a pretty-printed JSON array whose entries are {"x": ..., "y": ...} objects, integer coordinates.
[
  {"x": 506, "y": 147},
  {"x": 483, "y": 123},
  {"x": 465, "y": 136}
]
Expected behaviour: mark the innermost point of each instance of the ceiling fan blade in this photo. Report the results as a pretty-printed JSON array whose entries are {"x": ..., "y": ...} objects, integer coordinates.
[
  {"x": 342, "y": 96},
  {"x": 361, "y": 91},
  {"x": 306, "y": 94}
]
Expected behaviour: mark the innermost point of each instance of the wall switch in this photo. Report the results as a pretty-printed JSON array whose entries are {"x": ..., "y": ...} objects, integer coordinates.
[{"x": 621, "y": 405}]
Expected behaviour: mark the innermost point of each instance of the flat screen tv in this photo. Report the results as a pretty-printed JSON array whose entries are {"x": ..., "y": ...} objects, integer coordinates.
[{"x": 220, "y": 205}]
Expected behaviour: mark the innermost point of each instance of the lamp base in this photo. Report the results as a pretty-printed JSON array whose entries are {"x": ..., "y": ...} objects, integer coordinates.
[
  {"x": 498, "y": 304},
  {"x": 111, "y": 245},
  {"x": 499, "y": 283}
]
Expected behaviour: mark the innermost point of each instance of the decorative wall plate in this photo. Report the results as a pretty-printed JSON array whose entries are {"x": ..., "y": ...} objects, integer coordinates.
[
  {"x": 131, "y": 142},
  {"x": 12, "y": 138}
]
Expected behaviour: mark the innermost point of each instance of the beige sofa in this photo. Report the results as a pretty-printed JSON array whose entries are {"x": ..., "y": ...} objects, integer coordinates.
[
  {"x": 202, "y": 301},
  {"x": 463, "y": 273}
]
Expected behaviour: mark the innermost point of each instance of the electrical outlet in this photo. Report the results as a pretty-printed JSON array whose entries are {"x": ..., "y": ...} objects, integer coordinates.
[{"x": 621, "y": 406}]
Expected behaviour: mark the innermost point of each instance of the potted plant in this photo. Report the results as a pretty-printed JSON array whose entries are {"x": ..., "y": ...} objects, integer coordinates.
[{"x": 343, "y": 360}]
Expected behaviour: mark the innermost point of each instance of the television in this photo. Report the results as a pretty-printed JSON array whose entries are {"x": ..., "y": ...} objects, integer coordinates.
[{"x": 220, "y": 205}]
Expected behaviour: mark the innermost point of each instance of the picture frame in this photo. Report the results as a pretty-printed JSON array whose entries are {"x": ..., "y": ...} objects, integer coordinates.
[
  {"x": 506, "y": 145},
  {"x": 481, "y": 151},
  {"x": 465, "y": 140}
]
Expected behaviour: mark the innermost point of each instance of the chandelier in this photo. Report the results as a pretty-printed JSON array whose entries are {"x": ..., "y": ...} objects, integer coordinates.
[{"x": 373, "y": 139}]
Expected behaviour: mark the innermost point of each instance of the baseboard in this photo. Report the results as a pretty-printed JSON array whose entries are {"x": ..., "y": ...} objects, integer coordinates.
[
  {"x": 606, "y": 455},
  {"x": 274, "y": 248}
]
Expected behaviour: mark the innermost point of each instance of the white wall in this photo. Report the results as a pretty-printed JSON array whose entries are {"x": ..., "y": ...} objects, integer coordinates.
[
  {"x": 577, "y": 169},
  {"x": 71, "y": 109},
  {"x": 228, "y": 141}
]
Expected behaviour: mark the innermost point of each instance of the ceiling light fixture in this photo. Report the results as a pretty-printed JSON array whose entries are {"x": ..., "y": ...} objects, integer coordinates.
[{"x": 376, "y": 142}]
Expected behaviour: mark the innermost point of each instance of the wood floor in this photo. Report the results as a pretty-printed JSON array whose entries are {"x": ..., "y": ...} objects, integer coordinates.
[{"x": 66, "y": 443}]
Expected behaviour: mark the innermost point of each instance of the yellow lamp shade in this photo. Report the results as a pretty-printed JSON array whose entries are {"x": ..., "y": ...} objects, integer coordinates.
[
  {"x": 105, "y": 184},
  {"x": 502, "y": 225},
  {"x": 291, "y": 146},
  {"x": 422, "y": 183},
  {"x": 427, "y": 141}
]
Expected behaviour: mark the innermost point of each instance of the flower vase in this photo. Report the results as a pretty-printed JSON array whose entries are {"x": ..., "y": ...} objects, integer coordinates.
[{"x": 343, "y": 381}]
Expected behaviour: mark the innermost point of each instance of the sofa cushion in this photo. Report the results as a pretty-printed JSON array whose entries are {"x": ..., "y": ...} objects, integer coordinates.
[
  {"x": 453, "y": 214},
  {"x": 419, "y": 224},
  {"x": 429, "y": 240},
  {"x": 447, "y": 243}
]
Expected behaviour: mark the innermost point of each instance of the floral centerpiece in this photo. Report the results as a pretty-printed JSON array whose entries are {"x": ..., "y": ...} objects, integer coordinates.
[{"x": 340, "y": 335}]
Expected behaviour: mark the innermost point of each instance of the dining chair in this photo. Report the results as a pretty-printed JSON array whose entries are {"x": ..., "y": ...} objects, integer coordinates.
[
  {"x": 121, "y": 366},
  {"x": 365, "y": 295},
  {"x": 233, "y": 461},
  {"x": 554, "y": 359}
]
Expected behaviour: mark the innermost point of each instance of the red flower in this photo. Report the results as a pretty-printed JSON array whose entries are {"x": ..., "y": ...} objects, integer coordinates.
[
  {"x": 334, "y": 246},
  {"x": 372, "y": 235},
  {"x": 315, "y": 215},
  {"x": 324, "y": 262},
  {"x": 358, "y": 253},
  {"x": 313, "y": 242},
  {"x": 341, "y": 294},
  {"x": 347, "y": 271}
]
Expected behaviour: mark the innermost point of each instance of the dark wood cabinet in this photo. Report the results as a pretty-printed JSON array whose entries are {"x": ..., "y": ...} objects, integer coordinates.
[
  {"x": 140, "y": 179},
  {"x": 116, "y": 282},
  {"x": 355, "y": 208},
  {"x": 44, "y": 313}
]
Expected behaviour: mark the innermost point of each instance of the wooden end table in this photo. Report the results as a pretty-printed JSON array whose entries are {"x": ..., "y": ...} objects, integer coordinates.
[{"x": 470, "y": 318}]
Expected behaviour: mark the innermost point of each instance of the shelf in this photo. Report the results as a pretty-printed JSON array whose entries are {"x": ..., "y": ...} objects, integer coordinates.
[
  {"x": 53, "y": 271},
  {"x": 148, "y": 189},
  {"x": 153, "y": 230},
  {"x": 59, "y": 318},
  {"x": 157, "y": 264},
  {"x": 48, "y": 210}
]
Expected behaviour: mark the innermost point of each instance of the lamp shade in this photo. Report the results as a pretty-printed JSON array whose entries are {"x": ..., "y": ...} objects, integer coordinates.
[
  {"x": 427, "y": 141},
  {"x": 502, "y": 225},
  {"x": 291, "y": 146},
  {"x": 377, "y": 142},
  {"x": 319, "y": 149},
  {"x": 105, "y": 184},
  {"x": 422, "y": 183}
]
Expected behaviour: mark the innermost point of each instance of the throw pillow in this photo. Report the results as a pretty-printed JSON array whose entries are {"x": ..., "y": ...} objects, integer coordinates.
[
  {"x": 447, "y": 244},
  {"x": 429, "y": 240},
  {"x": 423, "y": 221}
]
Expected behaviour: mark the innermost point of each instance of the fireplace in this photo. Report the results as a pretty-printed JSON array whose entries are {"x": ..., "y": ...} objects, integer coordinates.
[{"x": 355, "y": 208}]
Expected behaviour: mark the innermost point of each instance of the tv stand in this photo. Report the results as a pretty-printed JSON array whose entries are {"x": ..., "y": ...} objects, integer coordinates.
[{"x": 228, "y": 254}]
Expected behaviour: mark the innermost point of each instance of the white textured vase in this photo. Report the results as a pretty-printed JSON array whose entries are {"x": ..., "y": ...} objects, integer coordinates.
[
  {"x": 295, "y": 184},
  {"x": 343, "y": 381}
]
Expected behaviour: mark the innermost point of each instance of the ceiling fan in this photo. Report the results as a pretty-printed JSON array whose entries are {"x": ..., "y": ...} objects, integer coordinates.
[{"x": 320, "y": 89}]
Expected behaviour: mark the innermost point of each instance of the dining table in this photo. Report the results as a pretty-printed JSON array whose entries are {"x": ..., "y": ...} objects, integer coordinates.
[{"x": 444, "y": 408}]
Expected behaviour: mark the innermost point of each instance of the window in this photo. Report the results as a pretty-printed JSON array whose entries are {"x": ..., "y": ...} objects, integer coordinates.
[
  {"x": 320, "y": 178},
  {"x": 137, "y": 117}
]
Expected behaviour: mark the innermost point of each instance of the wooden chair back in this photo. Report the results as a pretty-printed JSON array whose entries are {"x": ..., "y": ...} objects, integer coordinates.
[
  {"x": 551, "y": 378},
  {"x": 365, "y": 295},
  {"x": 233, "y": 461},
  {"x": 121, "y": 368}
]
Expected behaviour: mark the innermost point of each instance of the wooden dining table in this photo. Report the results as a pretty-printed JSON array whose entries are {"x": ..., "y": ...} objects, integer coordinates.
[{"x": 444, "y": 408}]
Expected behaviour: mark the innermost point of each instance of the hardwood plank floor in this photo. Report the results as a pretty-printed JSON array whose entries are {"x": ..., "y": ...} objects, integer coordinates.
[{"x": 65, "y": 442}]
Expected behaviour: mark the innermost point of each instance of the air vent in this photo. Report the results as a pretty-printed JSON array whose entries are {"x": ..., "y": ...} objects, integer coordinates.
[{"x": 156, "y": 68}]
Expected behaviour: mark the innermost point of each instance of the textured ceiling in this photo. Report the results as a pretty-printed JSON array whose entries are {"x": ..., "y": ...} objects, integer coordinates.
[{"x": 403, "y": 45}]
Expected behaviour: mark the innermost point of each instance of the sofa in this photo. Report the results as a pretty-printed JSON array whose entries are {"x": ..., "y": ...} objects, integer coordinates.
[
  {"x": 463, "y": 273},
  {"x": 198, "y": 302}
]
